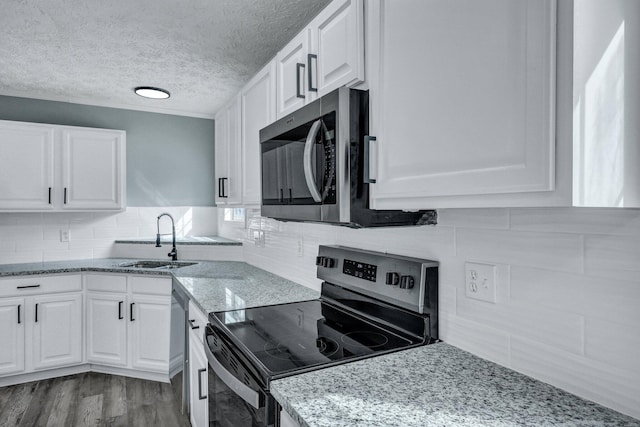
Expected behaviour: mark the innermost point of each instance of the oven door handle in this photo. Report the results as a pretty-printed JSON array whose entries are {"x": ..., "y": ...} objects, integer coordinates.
[
  {"x": 247, "y": 394},
  {"x": 308, "y": 168}
]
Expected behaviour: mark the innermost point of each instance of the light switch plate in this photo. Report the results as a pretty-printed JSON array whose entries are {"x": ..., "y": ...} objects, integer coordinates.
[{"x": 480, "y": 281}]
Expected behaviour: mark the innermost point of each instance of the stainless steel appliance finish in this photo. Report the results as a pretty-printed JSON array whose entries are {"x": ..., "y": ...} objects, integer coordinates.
[
  {"x": 371, "y": 304},
  {"x": 314, "y": 165},
  {"x": 178, "y": 371}
]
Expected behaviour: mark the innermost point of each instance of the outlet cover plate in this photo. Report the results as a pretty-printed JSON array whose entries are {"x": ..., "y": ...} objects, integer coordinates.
[{"x": 480, "y": 281}]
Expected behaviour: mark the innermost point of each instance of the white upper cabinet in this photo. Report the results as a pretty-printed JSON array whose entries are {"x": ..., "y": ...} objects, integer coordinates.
[
  {"x": 228, "y": 155},
  {"x": 329, "y": 53},
  {"x": 463, "y": 101},
  {"x": 26, "y": 166},
  {"x": 51, "y": 167},
  {"x": 93, "y": 175},
  {"x": 258, "y": 109},
  {"x": 292, "y": 67},
  {"x": 337, "y": 57}
]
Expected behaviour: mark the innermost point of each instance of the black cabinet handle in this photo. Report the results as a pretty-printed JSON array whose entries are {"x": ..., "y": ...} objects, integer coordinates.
[
  {"x": 120, "y": 317},
  {"x": 290, "y": 196},
  {"x": 19, "y": 306},
  {"x": 281, "y": 196},
  {"x": 312, "y": 57},
  {"x": 221, "y": 193},
  {"x": 27, "y": 286},
  {"x": 299, "y": 94},
  {"x": 192, "y": 325},
  {"x": 36, "y": 313},
  {"x": 200, "y": 396},
  {"x": 131, "y": 311},
  {"x": 366, "y": 178},
  {"x": 65, "y": 195},
  {"x": 49, "y": 195}
]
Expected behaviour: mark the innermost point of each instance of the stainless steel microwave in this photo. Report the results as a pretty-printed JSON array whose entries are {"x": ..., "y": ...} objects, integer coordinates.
[{"x": 313, "y": 165}]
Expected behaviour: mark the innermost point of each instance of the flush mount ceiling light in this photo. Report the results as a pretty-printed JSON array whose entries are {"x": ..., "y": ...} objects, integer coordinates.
[{"x": 152, "y": 92}]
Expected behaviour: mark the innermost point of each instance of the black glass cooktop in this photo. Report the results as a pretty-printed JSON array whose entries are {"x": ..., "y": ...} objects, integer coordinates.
[{"x": 289, "y": 337}]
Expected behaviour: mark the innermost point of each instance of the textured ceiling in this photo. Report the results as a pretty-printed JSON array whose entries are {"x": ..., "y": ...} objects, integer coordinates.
[{"x": 97, "y": 51}]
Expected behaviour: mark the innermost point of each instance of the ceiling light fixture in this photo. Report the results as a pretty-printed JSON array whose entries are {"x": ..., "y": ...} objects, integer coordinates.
[{"x": 152, "y": 92}]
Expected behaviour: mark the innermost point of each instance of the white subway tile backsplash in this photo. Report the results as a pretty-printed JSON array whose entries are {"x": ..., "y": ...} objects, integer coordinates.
[
  {"x": 615, "y": 257},
  {"x": 608, "y": 384},
  {"x": 34, "y": 237},
  {"x": 563, "y": 330},
  {"x": 555, "y": 251},
  {"x": 623, "y": 351},
  {"x": 474, "y": 218},
  {"x": 578, "y": 220},
  {"x": 477, "y": 338},
  {"x": 610, "y": 299}
]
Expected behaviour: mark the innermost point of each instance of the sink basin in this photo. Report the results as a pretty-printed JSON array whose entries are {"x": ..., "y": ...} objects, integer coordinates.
[{"x": 156, "y": 264}]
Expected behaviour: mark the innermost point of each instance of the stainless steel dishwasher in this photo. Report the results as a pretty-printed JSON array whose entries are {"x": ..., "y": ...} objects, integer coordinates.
[{"x": 178, "y": 368}]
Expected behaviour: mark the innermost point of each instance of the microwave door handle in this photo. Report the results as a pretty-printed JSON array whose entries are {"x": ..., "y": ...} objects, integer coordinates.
[{"x": 308, "y": 168}]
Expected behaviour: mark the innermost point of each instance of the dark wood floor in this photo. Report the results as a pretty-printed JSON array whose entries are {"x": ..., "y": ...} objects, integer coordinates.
[{"x": 90, "y": 399}]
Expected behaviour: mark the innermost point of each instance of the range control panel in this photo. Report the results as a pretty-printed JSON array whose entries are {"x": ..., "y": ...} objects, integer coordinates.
[
  {"x": 360, "y": 269},
  {"x": 405, "y": 281}
]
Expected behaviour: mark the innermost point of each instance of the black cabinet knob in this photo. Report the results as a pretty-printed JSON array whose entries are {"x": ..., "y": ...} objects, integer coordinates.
[
  {"x": 392, "y": 279},
  {"x": 406, "y": 282}
]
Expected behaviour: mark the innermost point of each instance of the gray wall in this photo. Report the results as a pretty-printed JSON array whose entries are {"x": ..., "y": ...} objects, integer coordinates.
[{"x": 170, "y": 159}]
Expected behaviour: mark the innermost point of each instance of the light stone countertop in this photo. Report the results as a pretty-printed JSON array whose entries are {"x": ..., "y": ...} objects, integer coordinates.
[
  {"x": 190, "y": 240},
  {"x": 212, "y": 285},
  {"x": 434, "y": 385}
]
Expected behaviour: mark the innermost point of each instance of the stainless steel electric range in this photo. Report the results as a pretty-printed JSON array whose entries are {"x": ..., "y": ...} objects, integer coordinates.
[{"x": 371, "y": 304}]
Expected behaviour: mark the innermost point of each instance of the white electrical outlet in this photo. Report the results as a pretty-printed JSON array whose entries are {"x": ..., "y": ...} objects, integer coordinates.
[
  {"x": 65, "y": 235},
  {"x": 480, "y": 281}
]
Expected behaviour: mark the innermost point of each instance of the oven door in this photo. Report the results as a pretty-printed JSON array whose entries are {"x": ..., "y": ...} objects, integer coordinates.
[{"x": 236, "y": 397}]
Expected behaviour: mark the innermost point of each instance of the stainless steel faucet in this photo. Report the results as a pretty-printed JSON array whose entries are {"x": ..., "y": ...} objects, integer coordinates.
[{"x": 174, "y": 252}]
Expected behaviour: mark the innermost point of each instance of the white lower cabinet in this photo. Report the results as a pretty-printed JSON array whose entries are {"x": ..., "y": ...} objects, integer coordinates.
[
  {"x": 198, "y": 368},
  {"x": 106, "y": 328},
  {"x": 150, "y": 325},
  {"x": 57, "y": 330},
  {"x": 40, "y": 323},
  {"x": 130, "y": 328},
  {"x": 12, "y": 332}
]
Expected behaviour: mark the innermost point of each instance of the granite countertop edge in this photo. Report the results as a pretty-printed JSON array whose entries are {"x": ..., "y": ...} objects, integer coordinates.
[{"x": 435, "y": 385}]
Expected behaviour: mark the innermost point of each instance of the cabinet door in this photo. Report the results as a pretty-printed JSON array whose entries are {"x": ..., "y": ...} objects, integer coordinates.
[
  {"x": 338, "y": 40},
  {"x": 12, "y": 320},
  {"x": 258, "y": 110},
  {"x": 93, "y": 171},
  {"x": 57, "y": 330},
  {"x": 26, "y": 166},
  {"x": 292, "y": 83},
  {"x": 150, "y": 325},
  {"x": 106, "y": 328},
  {"x": 198, "y": 383},
  {"x": 228, "y": 155},
  {"x": 464, "y": 101}
]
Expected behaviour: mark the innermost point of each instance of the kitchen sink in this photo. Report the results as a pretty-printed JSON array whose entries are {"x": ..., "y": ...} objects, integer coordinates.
[{"x": 156, "y": 264}]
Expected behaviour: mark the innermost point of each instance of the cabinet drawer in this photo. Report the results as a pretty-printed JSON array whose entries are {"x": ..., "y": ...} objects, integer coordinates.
[
  {"x": 150, "y": 285},
  {"x": 33, "y": 285},
  {"x": 106, "y": 283},
  {"x": 197, "y": 321}
]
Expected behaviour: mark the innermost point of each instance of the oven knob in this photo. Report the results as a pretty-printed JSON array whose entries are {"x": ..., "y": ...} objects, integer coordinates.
[
  {"x": 392, "y": 279},
  {"x": 406, "y": 282},
  {"x": 328, "y": 262}
]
